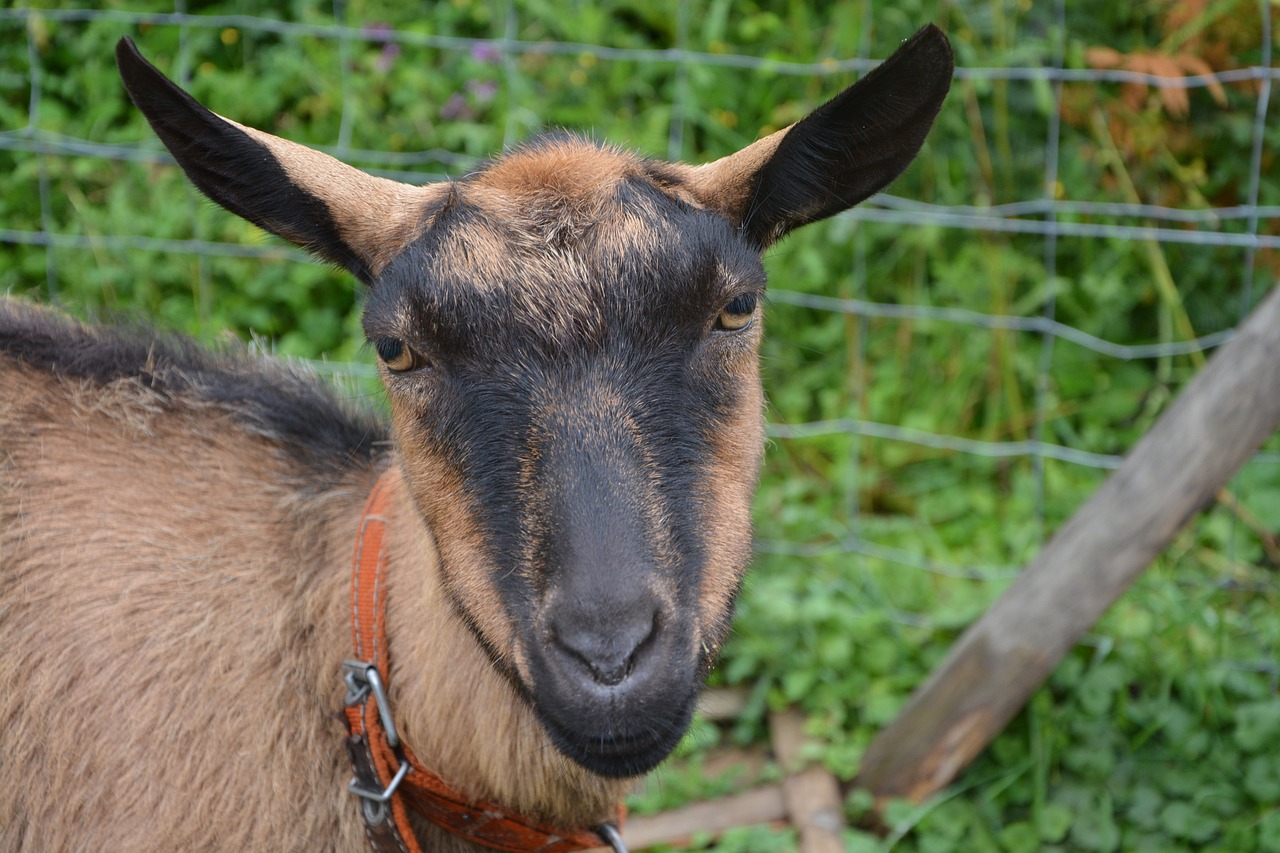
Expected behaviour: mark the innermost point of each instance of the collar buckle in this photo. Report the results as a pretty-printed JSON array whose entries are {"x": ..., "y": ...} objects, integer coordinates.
[
  {"x": 609, "y": 832},
  {"x": 374, "y": 803},
  {"x": 362, "y": 680}
]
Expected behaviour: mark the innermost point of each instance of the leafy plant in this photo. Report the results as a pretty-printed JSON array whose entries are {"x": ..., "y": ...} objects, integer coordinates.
[{"x": 877, "y": 548}]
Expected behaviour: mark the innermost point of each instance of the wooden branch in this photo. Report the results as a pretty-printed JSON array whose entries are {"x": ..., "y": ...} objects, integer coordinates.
[
  {"x": 1214, "y": 426},
  {"x": 812, "y": 793},
  {"x": 760, "y": 805},
  {"x": 743, "y": 766}
]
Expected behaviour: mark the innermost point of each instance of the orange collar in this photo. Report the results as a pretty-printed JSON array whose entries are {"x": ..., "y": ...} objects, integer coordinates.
[{"x": 389, "y": 779}]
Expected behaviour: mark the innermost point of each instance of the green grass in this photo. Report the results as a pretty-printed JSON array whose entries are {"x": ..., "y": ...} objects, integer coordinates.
[{"x": 1159, "y": 730}]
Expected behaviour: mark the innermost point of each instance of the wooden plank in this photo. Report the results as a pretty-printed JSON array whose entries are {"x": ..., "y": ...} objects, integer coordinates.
[
  {"x": 1214, "y": 426},
  {"x": 750, "y": 808},
  {"x": 812, "y": 794},
  {"x": 786, "y": 735},
  {"x": 745, "y": 766}
]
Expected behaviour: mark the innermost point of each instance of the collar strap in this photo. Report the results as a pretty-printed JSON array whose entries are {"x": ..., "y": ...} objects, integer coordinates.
[{"x": 389, "y": 779}]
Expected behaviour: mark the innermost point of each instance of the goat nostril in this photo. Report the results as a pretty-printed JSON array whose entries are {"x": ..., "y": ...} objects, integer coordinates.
[
  {"x": 608, "y": 656},
  {"x": 611, "y": 676}
]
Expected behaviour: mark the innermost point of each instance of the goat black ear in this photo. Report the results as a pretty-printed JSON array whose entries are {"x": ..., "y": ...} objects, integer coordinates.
[
  {"x": 337, "y": 212},
  {"x": 838, "y": 155}
]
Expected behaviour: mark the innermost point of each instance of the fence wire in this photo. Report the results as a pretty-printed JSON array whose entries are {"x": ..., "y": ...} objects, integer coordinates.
[{"x": 1249, "y": 227}]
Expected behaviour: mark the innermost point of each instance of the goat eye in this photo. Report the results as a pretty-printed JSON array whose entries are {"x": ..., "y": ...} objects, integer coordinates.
[
  {"x": 395, "y": 355},
  {"x": 738, "y": 314}
]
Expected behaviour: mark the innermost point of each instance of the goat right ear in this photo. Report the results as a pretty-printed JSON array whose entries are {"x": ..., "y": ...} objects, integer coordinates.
[
  {"x": 337, "y": 212},
  {"x": 838, "y": 155}
]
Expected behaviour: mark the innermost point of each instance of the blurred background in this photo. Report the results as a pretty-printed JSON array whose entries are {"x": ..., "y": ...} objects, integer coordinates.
[{"x": 952, "y": 368}]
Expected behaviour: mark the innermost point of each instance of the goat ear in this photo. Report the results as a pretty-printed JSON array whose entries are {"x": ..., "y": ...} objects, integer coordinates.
[
  {"x": 838, "y": 155},
  {"x": 335, "y": 211}
]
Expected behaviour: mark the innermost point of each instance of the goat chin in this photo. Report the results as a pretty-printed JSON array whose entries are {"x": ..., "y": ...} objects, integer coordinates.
[
  {"x": 623, "y": 749},
  {"x": 621, "y": 731}
]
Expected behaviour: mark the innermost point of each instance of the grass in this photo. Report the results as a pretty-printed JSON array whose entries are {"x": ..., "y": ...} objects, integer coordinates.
[{"x": 1158, "y": 732}]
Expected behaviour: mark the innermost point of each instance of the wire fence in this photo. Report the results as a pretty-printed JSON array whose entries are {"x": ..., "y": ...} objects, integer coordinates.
[{"x": 1249, "y": 228}]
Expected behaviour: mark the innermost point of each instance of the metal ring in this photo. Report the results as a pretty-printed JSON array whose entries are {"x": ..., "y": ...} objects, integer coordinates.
[
  {"x": 356, "y": 788},
  {"x": 374, "y": 812},
  {"x": 370, "y": 678},
  {"x": 384, "y": 704},
  {"x": 357, "y": 689},
  {"x": 609, "y": 833}
]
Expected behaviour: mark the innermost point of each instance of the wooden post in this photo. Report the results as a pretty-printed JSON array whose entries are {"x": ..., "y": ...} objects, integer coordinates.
[
  {"x": 812, "y": 793},
  {"x": 1214, "y": 426},
  {"x": 711, "y": 817}
]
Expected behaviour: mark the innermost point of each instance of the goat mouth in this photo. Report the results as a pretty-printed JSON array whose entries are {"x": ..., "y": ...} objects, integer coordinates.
[{"x": 619, "y": 754}]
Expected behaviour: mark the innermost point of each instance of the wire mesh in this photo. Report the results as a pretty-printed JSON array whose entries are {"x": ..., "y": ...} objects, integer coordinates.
[{"x": 1249, "y": 228}]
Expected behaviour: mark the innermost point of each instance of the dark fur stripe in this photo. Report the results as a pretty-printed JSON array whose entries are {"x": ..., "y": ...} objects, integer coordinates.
[{"x": 269, "y": 398}]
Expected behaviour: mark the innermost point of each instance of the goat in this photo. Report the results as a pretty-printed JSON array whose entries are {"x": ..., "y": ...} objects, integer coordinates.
[{"x": 568, "y": 338}]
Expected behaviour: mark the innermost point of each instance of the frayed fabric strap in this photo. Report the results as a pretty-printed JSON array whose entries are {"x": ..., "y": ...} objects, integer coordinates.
[{"x": 389, "y": 780}]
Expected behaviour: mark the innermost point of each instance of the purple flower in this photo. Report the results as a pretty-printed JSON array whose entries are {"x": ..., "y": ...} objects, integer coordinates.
[
  {"x": 381, "y": 32},
  {"x": 486, "y": 52},
  {"x": 387, "y": 58},
  {"x": 482, "y": 90},
  {"x": 455, "y": 108}
]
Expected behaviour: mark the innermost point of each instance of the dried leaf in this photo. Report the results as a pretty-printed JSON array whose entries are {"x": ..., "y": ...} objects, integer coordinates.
[
  {"x": 1195, "y": 65},
  {"x": 1176, "y": 99},
  {"x": 1103, "y": 57}
]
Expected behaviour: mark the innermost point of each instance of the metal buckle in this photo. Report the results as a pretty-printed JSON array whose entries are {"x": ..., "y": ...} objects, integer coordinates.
[
  {"x": 609, "y": 833},
  {"x": 374, "y": 803},
  {"x": 361, "y": 680}
]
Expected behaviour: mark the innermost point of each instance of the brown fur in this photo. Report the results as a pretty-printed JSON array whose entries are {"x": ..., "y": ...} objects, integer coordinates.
[
  {"x": 730, "y": 487},
  {"x": 121, "y": 573}
]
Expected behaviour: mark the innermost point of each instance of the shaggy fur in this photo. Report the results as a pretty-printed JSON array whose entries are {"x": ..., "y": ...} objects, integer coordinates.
[
  {"x": 152, "y": 527},
  {"x": 570, "y": 345}
]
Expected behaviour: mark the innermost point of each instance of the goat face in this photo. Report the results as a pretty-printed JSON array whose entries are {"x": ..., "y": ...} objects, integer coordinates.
[
  {"x": 575, "y": 393},
  {"x": 568, "y": 339}
]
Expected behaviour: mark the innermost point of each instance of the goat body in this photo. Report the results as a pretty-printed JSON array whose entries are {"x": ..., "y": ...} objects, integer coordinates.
[{"x": 568, "y": 340}]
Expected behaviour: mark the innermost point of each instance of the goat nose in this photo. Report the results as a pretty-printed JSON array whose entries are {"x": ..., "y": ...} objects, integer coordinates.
[{"x": 608, "y": 650}]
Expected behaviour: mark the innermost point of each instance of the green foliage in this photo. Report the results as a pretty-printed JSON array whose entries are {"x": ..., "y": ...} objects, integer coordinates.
[{"x": 1159, "y": 731}]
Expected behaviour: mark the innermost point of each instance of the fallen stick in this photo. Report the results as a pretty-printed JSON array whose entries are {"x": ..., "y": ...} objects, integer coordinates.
[
  {"x": 712, "y": 817},
  {"x": 812, "y": 794},
  {"x": 1215, "y": 425}
]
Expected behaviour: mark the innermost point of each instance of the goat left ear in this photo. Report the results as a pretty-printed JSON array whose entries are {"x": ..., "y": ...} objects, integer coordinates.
[
  {"x": 838, "y": 155},
  {"x": 337, "y": 212}
]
